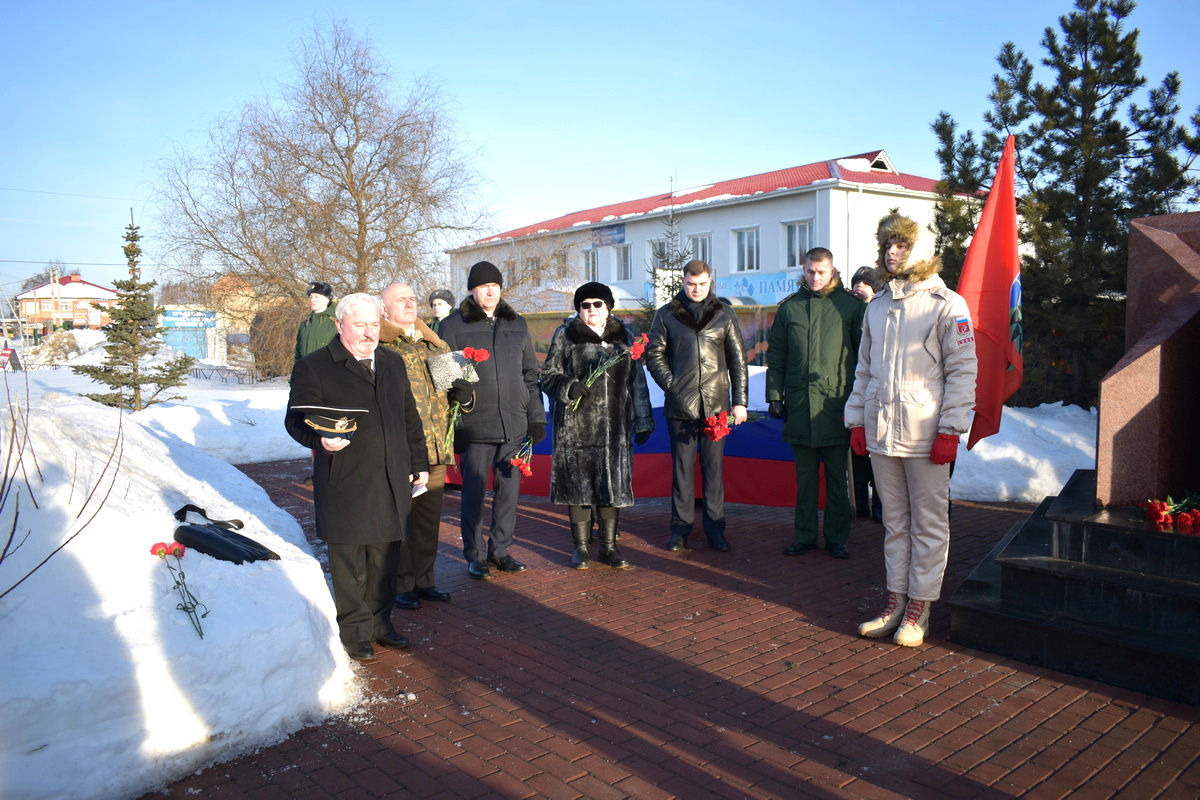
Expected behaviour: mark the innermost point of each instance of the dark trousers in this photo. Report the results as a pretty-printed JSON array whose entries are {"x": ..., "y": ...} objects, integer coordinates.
[
  {"x": 837, "y": 495},
  {"x": 419, "y": 549},
  {"x": 685, "y": 434},
  {"x": 480, "y": 459},
  {"x": 362, "y": 589}
]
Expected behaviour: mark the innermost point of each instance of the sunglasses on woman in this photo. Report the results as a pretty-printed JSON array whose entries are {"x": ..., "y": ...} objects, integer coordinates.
[{"x": 592, "y": 304}]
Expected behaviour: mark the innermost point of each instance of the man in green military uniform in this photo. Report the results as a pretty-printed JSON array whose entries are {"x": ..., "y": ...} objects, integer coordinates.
[
  {"x": 319, "y": 327},
  {"x": 813, "y": 350}
]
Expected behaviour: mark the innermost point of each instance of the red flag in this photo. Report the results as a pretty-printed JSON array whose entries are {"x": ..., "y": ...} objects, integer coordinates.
[{"x": 991, "y": 284}]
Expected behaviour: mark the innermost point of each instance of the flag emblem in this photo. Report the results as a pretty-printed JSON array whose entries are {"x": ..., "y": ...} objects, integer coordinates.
[{"x": 964, "y": 325}]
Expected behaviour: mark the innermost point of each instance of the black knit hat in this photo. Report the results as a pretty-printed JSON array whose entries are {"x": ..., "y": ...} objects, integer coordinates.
[
  {"x": 484, "y": 272},
  {"x": 442, "y": 294},
  {"x": 320, "y": 287},
  {"x": 595, "y": 290}
]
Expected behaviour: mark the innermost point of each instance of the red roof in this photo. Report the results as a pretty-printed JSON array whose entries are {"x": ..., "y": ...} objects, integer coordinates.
[{"x": 764, "y": 183}]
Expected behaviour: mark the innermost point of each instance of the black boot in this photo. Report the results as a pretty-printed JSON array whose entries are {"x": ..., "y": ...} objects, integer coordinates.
[
  {"x": 862, "y": 500},
  {"x": 609, "y": 554},
  {"x": 716, "y": 540},
  {"x": 581, "y": 532},
  {"x": 677, "y": 542}
]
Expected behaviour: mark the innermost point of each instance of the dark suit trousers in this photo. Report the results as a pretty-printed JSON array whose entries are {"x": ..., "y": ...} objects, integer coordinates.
[
  {"x": 419, "y": 549},
  {"x": 480, "y": 460},
  {"x": 363, "y": 575},
  {"x": 685, "y": 434}
]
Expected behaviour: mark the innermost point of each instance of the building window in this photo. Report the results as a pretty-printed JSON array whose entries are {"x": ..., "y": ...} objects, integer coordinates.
[
  {"x": 47, "y": 306},
  {"x": 591, "y": 271},
  {"x": 624, "y": 264},
  {"x": 799, "y": 242},
  {"x": 701, "y": 247},
  {"x": 66, "y": 305},
  {"x": 658, "y": 253},
  {"x": 747, "y": 250}
]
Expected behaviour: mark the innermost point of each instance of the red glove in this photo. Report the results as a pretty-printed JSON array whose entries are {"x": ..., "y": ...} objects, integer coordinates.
[
  {"x": 858, "y": 441},
  {"x": 945, "y": 449}
]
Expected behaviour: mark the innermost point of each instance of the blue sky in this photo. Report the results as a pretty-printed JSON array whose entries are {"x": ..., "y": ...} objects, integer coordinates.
[{"x": 567, "y": 105}]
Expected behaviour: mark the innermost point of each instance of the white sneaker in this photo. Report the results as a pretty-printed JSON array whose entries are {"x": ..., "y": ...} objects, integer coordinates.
[
  {"x": 916, "y": 624},
  {"x": 888, "y": 620}
]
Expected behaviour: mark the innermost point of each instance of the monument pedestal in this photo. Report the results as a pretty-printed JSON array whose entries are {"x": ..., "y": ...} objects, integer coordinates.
[{"x": 1101, "y": 595}]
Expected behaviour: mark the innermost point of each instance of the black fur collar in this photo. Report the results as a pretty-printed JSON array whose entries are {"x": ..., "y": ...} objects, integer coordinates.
[
  {"x": 471, "y": 312},
  {"x": 614, "y": 331},
  {"x": 711, "y": 306}
]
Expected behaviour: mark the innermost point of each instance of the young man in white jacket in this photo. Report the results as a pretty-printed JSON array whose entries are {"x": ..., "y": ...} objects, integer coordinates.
[{"x": 914, "y": 389}]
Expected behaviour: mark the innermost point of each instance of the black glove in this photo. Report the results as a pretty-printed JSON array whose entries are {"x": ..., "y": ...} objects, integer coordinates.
[
  {"x": 536, "y": 432},
  {"x": 641, "y": 437},
  {"x": 576, "y": 390},
  {"x": 461, "y": 392},
  {"x": 775, "y": 409}
]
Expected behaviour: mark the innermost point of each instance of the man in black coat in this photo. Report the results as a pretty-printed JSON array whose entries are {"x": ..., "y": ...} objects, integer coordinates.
[
  {"x": 508, "y": 407},
  {"x": 362, "y": 486},
  {"x": 697, "y": 357}
]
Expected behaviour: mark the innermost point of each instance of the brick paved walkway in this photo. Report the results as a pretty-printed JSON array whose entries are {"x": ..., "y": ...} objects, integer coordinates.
[{"x": 707, "y": 675}]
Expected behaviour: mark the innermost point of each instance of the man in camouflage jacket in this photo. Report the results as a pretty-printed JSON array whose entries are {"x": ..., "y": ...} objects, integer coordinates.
[{"x": 403, "y": 332}]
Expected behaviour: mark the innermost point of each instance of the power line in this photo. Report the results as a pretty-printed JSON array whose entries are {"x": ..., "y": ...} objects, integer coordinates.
[
  {"x": 67, "y": 194},
  {"x": 70, "y": 263}
]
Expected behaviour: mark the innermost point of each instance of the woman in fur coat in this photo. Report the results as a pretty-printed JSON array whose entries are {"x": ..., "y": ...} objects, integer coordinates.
[{"x": 593, "y": 457}]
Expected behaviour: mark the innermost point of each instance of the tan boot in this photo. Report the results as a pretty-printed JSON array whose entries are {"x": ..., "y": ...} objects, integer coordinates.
[
  {"x": 916, "y": 624},
  {"x": 888, "y": 620}
]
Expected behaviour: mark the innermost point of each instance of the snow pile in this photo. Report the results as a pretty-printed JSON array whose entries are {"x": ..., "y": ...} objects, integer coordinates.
[{"x": 107, "y": 689}]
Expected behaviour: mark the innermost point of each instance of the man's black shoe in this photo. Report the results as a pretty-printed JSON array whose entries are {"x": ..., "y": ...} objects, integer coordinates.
[
  {"x": 433, "y": 594},
  {"x": 361, "y": 651},
  {"x": 479, "y": 571},
  {"x": 837, "y": 550},
  {"x": 507, "y": 564},
  {"x": 799, "y": 548},
  {"x": 678, "y": 542},
  {"x": 717, "y": 542},
  {"x": 392, "y": 641},
  {"x": 408, "y": 601}
]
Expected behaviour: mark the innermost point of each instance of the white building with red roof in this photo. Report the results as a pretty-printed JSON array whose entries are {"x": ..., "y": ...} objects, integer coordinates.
[{"x": 753, "y": 231}]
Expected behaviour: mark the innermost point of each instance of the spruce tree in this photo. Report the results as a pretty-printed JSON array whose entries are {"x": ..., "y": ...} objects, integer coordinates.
[
  {"x": 1094, "y": 151},
  {"x": 665, "y": 271},
  {"x": 134, "y": 335}
]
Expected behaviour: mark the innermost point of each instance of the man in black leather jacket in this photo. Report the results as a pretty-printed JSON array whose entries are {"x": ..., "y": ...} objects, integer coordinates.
[{"x": 697, "y": 357}]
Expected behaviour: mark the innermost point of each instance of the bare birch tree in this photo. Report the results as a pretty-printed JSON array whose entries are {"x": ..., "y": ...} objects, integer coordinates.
[{"x": 337, "y": 178}]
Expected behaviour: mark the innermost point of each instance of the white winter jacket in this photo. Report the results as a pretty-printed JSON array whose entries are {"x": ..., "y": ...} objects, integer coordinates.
[{"x": 916, "y": 368}]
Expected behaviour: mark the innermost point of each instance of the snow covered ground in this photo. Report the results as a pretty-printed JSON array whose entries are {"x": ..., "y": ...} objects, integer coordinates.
[{"x": 106, "y": 689}]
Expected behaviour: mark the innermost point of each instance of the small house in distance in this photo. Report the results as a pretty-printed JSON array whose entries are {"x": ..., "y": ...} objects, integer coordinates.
[{"x": 67, "y": 299}]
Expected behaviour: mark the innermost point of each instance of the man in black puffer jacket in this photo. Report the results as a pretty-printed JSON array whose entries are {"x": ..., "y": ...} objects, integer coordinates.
[
  {"x": 508, "y": 407},
  {"x": 697, "y": 358}
]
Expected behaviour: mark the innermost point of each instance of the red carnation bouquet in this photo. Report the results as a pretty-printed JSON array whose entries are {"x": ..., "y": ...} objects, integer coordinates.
[
  {"x": 1183, "y": 516},
  {"x": 717, "y": 427},
  {"x": 523, "y": 460},
  {"x": 188, "y": 602},
  {"x": 635, "y": 352},
  {"x": 474, "y": 355}
]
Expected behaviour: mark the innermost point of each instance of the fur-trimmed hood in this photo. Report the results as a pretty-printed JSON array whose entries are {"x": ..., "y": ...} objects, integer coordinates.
[
  {"x": 472, "y": 312},
  {"x": 921, "y": 262}
]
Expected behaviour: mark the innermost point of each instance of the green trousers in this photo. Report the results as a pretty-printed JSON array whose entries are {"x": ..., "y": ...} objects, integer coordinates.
[{"x": 837, "y": 494}]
